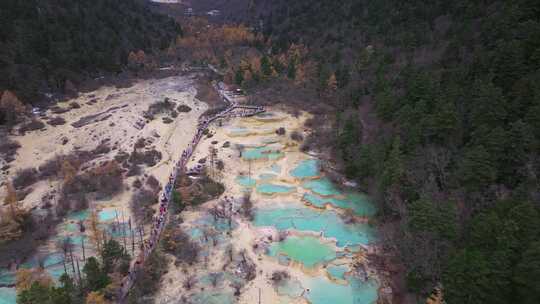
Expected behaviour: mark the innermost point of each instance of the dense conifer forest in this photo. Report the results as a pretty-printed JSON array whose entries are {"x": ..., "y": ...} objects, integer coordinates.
[
  {"x": 46, "y": 42},
  {"x": 435, "y": 107},
  {"x": 453, "y": 160}
]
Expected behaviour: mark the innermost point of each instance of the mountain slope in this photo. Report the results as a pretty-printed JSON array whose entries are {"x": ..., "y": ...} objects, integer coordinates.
[
  {"x": 457, "y": 163},
  {"x": 45, "y": 43}
]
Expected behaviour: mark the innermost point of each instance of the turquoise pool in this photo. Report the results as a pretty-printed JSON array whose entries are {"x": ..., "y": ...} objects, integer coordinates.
[
  {"x": 306, "y": 169},
  {"x": 8, "y": 296},
  {"x": 107, "y": 215},
  {"x": 322, "y": 186},
  {"x": 324, "y": 291},
  {"x": 260, "y": 153},
  {"x": 303, "y": 218},
  {"x": 337, "y": 271},
  {"x": 270, "y": 189},
  {"x": 267, "y": 176},
  {"x": 307, "y": 250},
  {"x": 357, "y": 202},
  {"x": 245, "y": 181}
]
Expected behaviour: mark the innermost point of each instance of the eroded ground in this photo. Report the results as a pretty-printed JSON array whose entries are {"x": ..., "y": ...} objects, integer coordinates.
[
  {"x": 108, "y": 122},
  {"x": 304, "y": 241}
]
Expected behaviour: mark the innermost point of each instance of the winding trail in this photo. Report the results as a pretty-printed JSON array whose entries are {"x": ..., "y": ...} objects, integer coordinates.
[{"x": 233, "y": 110}]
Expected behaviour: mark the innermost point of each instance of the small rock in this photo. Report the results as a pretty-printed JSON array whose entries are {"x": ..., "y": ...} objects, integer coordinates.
[{"x": 155, "y": 134}]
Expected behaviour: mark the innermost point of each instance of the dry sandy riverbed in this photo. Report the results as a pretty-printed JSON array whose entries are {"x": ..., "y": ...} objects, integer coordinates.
[{"x": 115, "y": 116}]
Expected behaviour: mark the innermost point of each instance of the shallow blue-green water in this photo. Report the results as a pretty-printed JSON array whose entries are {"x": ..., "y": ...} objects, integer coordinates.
[
  {"x": 307, "y": 250},
  {"x": 275, "y": 168},
  {"x": 322, "y": 186},
  {"x": 324, "y": 291},
  {"x": 306, "y": 169},
  {"x": 291, "y": 288},
  {"x": 357, "y": 202},
  {"x": 245, "y": 181},
  {"x": 107, "y": 215},
  {"x": 207, "y": 297},
  {"x": 337, "y": 271},
  {"x": 78, "y": 216},
  {"x": 267, "y": 176},
  {"x": 269, "y": 189},
  {"x": 7, "y": 278},
  {"x": 8, "y": 296},
  {"x": 303, "y": 218},
  {"x": 261, "y": 153}
]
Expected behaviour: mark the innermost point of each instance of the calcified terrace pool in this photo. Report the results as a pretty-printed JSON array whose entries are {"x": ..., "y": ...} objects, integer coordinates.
[{"x": 309, "y": 207}]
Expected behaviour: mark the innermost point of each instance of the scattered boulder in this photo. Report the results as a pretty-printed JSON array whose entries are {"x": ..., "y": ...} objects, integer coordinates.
[
  {"x": 56, "y": 121},
  {"x": 183, "y": 108},
  {"x": 59, "y": 110}
]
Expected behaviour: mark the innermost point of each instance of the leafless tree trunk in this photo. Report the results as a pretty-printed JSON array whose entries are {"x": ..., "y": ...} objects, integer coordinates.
[{"x": 83, "y": 253}]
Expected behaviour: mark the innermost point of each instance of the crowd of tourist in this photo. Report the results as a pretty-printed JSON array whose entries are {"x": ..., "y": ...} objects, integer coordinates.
[{"x": 159, "y": 221}]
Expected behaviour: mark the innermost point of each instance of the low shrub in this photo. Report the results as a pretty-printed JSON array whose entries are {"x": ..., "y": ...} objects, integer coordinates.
[
  {"x": 31, "y": 126},
  {"x": 141, "y": 205},
  {"x": 183, "y": 108},
  {"x": 149, "y": 158},
  {"x": 56, "y": 121},
  {"x": 296, "y": 136},
  {"x": 24, "y": 178},
  {"x": 59, "y": 110},
  {"x": 179, "y": 243},
  {"x": 153, "y": 183},
  {"x": 165, "y": 106},
  {"x": 8, "y": 149}
]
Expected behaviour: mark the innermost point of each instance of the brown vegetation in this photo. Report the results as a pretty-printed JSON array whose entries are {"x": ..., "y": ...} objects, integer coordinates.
[
  {"x": 141, "y": 205},
  {"x": 178, "y": 243},
  {"x": 33, "y": 125},
  {"x": 8, "y": 148},
  {"x": 183, "y": 108},
  {"x": 56, "y": 121},
  {"x": 246, "y": 210},
  {"x": 296, "y": 136},
  {"x": 11, "y": 108},
  {"x": 103, "y": 181},
  {"x": 159, "y": 107},
  {"x": 279, "y": 276},
  {"x": 24, "y": 178}
]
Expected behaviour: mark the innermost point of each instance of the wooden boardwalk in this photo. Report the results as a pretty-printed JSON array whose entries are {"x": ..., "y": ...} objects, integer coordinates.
[{"x": 233, "y": 110}]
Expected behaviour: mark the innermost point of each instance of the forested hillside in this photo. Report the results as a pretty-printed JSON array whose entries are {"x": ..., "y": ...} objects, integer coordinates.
[
  {"x": 46, "y": 42},
  {"x": 453, "y": 158}
]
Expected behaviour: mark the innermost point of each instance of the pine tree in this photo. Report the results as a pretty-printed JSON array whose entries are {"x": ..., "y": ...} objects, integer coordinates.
[
  {"x": 266, "y": 66},
  {"x": 239, "y": 77},
  {"x": 393, "y": 166},
  {"x": 95, "y": 278},
  {"x": 476, "y": 169}
]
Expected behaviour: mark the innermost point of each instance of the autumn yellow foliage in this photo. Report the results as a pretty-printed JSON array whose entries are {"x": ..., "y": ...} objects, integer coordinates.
[
  {"x": 95, "y": 297},
  {"x": 11, "y": 106},
  {"x": 26, "y": 277}
]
